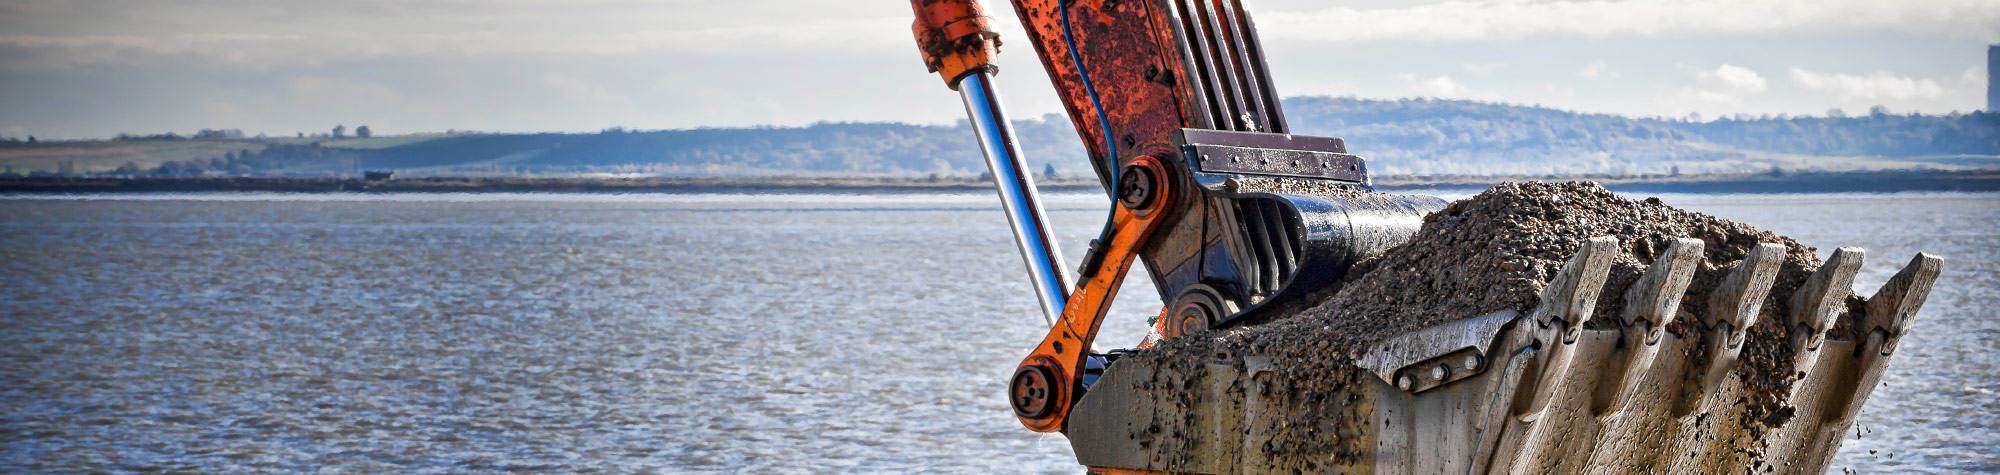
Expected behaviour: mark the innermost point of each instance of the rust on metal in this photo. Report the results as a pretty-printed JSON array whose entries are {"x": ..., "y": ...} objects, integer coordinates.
[{"x": 956, "y": 38}]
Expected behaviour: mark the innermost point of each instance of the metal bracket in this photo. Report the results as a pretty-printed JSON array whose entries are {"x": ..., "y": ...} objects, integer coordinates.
[
  {"x": 1408, "y": 353},
  {"x": 1253, "y": 153}
]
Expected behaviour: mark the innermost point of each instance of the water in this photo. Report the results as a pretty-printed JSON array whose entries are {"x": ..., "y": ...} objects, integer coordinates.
[{"x": 622, "y": 333}]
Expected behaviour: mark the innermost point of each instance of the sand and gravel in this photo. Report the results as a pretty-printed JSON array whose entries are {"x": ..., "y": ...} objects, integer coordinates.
[{"x": 1493, "y": 252}]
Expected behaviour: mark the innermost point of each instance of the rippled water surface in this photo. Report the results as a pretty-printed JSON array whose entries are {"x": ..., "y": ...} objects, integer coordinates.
[{"x": 784, "y": 333}]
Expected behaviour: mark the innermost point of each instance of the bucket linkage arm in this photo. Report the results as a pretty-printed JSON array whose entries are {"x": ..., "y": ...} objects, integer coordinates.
[{"x": 1228, "y": 210}]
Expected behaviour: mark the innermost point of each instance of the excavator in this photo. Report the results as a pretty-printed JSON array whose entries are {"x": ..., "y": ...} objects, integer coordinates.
[{"x": 1235, "y": 219}]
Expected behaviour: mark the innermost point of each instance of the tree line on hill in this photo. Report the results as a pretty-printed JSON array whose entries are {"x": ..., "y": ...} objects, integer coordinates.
[
  {"x": 1427, "y": 136},
  {"x": 1409, "y": 136},
  {"x": 273, "y": 159},
  {"x": 339, "y": 131}
]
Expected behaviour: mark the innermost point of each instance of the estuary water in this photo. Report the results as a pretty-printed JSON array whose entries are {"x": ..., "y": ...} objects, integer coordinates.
[{"x": 674, "y": 333}]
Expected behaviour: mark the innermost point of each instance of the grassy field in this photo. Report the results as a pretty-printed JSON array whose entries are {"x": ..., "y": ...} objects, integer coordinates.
[
  {"x": 106, "y": 155},
  {"x": 359, "y": 143},
  {"x": 101, "y": 156}
]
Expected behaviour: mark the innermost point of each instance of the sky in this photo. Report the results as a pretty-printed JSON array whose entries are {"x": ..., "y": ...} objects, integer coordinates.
[{"x": 96, "y": 68}]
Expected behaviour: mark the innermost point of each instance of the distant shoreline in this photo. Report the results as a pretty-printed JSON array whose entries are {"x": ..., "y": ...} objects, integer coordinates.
[{"x": 1797, "y": 182}]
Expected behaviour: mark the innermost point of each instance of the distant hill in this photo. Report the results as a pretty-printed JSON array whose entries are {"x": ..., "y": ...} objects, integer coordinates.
[
  {"x": 1424, "y": 136},
  {"x": 1399, "y": 137}
]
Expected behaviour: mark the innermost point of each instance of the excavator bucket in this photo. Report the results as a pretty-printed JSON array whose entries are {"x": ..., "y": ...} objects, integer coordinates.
[{"x": 1748, "y": 358}]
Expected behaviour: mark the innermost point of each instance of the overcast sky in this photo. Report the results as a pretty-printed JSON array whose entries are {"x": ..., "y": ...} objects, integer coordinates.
[{"x": 94, "y": 68}]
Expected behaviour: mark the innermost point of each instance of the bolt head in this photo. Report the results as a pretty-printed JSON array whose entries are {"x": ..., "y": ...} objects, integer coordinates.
[
  {"x": 1030, "y": 392},
  {"x": 1135, "y": 187}
]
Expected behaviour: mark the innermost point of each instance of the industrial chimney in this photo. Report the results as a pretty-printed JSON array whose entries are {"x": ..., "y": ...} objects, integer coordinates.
[{"x": 1992, "y": 78}]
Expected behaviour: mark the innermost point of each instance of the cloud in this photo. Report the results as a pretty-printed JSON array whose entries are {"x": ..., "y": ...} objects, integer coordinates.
[
  {"x": 62, "y": 34},
  {"x": 1596, "y": 70},
  {"x": 1711, "y": 97},
  {"x": 1482, "y": 69},
  {"x": 1440, "y": 86},
  {"x": 1491, "y": 20},
  {"x": 332, "y": 46},
  {"x": 1873, "y": 86},
  {"x": 1736, "y": 78},
  {"x": 1726, "y": 85}
]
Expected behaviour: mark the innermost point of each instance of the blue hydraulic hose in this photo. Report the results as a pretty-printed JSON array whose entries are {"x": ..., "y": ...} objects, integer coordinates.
[{"x": 1103, "y": 120}]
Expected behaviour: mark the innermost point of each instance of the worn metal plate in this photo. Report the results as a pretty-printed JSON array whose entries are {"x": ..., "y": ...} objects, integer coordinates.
[{"x": 1216, "y": 151}]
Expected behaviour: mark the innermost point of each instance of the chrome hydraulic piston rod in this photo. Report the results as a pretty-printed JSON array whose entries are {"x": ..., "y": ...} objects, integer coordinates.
[{"x": 1018, "y": 197}]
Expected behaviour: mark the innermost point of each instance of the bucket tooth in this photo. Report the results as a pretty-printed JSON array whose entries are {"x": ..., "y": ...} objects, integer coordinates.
[
  {"x": 1566, "y": 303},
  {"x": 1650, "y": 304},
  {"x": 1822, "y": 297},
  {"x": 1892, "y": 307},
  {"x": 1652, "y": 301},
  {"x": 1850, "y": 367},
  {"x": 1890, "y": 312},
  {"x": 1572, "y": 294},
  {"x": 1732, "y": 309}
]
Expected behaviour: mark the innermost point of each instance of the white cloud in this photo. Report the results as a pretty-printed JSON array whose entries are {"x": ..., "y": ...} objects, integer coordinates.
[
  {"x": 1736, "y": 78},
  {"x": 1488, "y": 20},
  {"x": 1483, "y": 69},
  {"x": 60, "y": 34},
  {"x": 1440, "y": 86},
  {"x": 328, "y": 46},
  {"x": 1596, "y": 70},
  {"x": 97, "y": 67},
  {"x": 1711, "y": 97},
  {"x": 1726, "y": 85},
  {"x": 1872, "y": 86}
]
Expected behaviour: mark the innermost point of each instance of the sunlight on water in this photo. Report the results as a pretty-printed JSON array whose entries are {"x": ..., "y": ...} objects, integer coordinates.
[{"x": 279, "y": 332}]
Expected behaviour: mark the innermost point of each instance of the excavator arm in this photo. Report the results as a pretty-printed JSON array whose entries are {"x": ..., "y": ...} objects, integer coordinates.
[
  {"x": 1172, "y": 100},
  {"x": 1236, "y": 219}
]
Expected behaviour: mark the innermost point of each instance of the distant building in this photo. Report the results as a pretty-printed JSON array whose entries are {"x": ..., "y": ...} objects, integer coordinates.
[{"x": 1993, "y": 78}]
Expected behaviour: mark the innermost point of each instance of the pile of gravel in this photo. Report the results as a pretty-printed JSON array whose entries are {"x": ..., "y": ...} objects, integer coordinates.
[{"x": 1493, "y": 252}]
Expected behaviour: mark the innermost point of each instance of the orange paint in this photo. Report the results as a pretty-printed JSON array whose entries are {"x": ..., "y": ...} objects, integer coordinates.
[
  {"x": 1063, "y": 351},
  {"x": 956, "y": 38}
]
